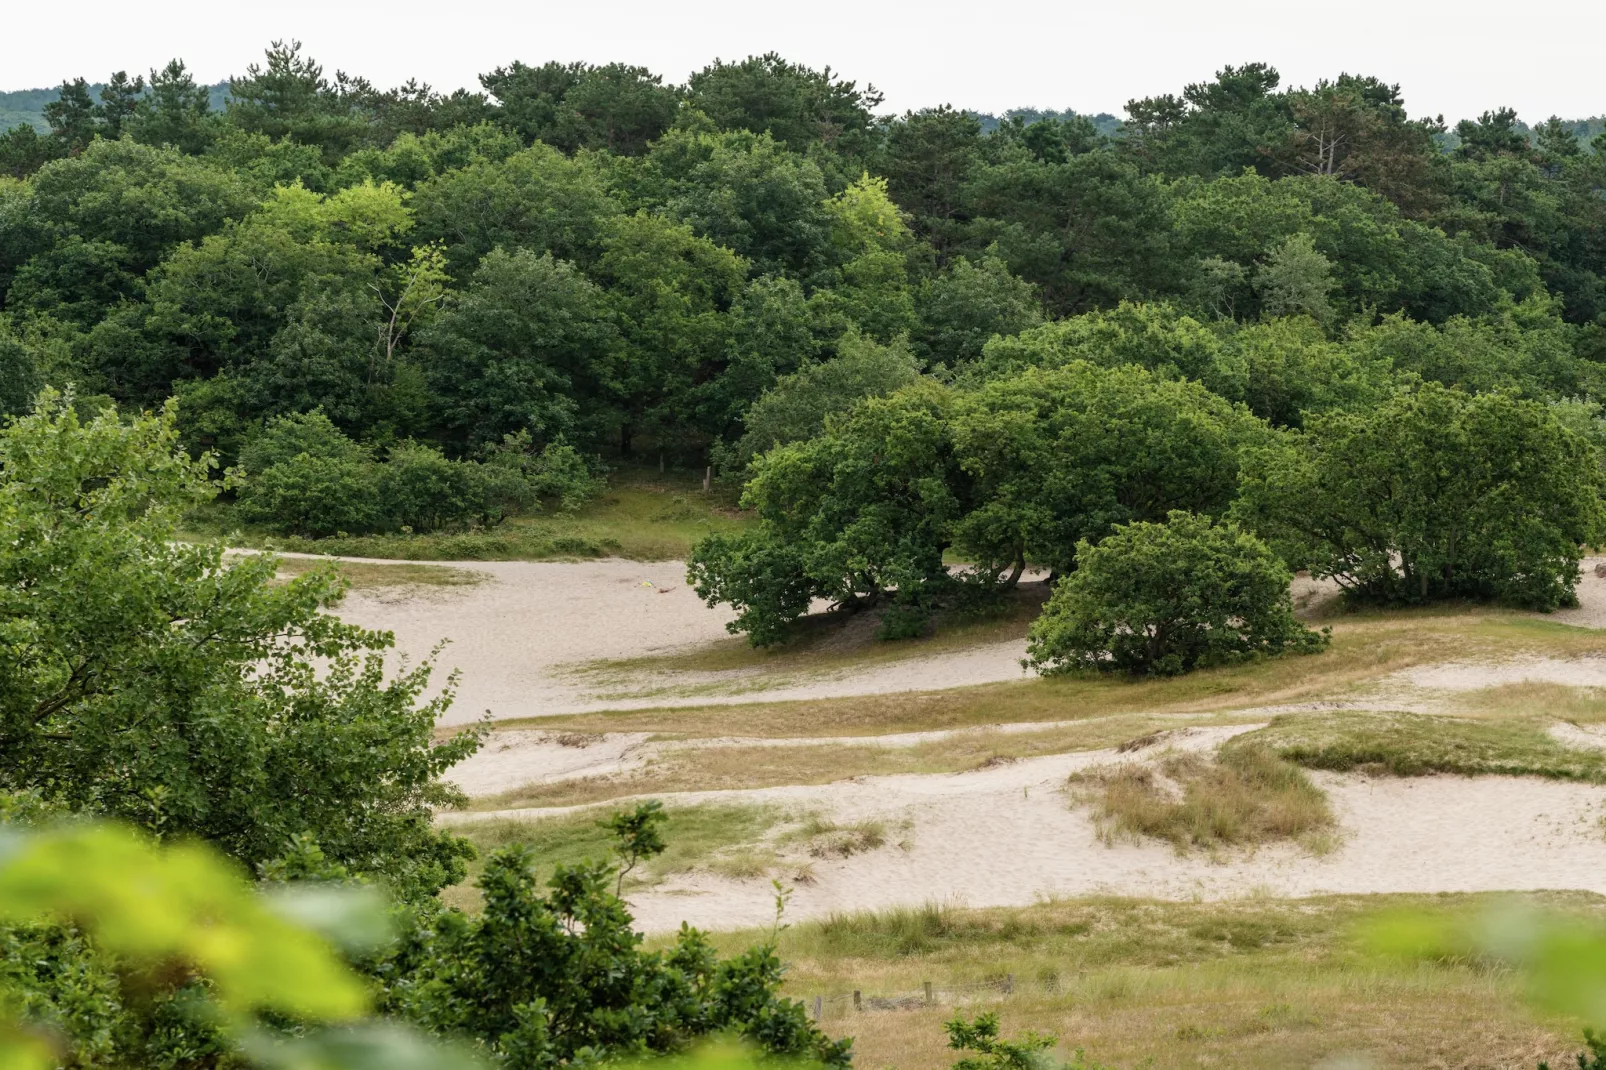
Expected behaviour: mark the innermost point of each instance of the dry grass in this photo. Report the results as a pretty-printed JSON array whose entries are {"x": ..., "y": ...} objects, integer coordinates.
[
  {"x": 1244, "y": 796},
  {"x": 1414, "y": 744},
  {"x": 1365, "y": 648},
  {"x": 729, "y": 768},
  {"x": 1252, "y": 984},
  {"x": 827, "y": 839},
  {"x": 1536, "y": 700}
]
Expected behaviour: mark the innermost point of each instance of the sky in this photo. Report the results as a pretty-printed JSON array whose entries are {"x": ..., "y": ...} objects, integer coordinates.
[{"x": 1451, "y": 58}]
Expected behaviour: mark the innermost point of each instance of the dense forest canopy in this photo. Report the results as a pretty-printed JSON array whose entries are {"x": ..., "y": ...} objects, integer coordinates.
[{"x": 588, "y": 257}]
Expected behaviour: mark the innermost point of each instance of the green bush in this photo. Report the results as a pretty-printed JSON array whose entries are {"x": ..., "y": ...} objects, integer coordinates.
[
  {"x": 314, "y": 496},
  {"x": 1166, "y": 598},
  {"x": 1433, "y": 494}
]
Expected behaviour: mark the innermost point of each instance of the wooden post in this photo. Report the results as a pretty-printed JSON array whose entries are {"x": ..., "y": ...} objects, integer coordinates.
[
  {"x": 927, "y": 986},
  {"x": 818, "y": 1007},
  {"x": 858, "y": 1004},
  {"x": 660, "y": 462},
  {"x": 708, "y": 478}
]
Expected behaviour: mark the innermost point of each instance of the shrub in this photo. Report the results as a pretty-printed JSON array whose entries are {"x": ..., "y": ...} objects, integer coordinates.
[
  {"x": 1166, "y": 598},
  {"x": 423, "y": 490},
  {"x": 314, "y": 496}
]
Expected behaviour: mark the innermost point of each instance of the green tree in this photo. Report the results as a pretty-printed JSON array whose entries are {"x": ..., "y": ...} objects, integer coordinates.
[
  {"x": 521, "y": 348},
  {"x": 175, "y": 111},
  {"x": 1433, "y": 494},
  {"x": 851, "y": 516},
  {"x": 1165, "y": 598},
  {"x": 797, "y": 406},
  {"x": 670, "y": 291},
  {"x": 536, "y": 199},
  {"x": 1063, "y": 455},
  {"x": 795, "y": 104},
  {"x": 970, "y": 303},
  {"x": 288, "y": 97},
  {"x": 149, "y": 679},
  {"x": 575, "y": 106}
]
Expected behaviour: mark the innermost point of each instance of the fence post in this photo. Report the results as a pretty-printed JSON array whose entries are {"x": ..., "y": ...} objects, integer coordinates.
[
  {"x": 708, "y": 478},
  {"x": 927, "y": 986},
  {"x": 858, "y": 1004},
  {"x": 818, "y": 1006}
]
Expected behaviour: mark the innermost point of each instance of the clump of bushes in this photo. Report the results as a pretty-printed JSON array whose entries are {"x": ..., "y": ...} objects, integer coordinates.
[
  {"x": 1161, "y": 599},
  {"x": 1433, "y": 494},
  {"x": 301, "y": 475}
]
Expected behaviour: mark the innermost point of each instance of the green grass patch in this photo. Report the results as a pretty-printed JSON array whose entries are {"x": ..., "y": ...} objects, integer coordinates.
[
  {"x": 1414, "y": 744},
  {"x": 727, "y": 839},
  {"x": 643, "y": 516}
]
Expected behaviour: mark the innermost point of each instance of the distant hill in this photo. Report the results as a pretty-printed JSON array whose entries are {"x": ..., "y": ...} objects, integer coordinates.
[{"x": 27, "y": 106}]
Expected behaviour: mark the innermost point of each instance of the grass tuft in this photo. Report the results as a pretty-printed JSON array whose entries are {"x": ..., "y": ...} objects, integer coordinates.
[
  {"x": 827, "y": 839},
  {"x": 1246, "y": 795}
]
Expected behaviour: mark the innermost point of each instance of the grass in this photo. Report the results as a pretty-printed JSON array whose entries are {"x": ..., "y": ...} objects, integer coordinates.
[
  {"x": 1366, "y": 647},
  {"x": 721, "y": 838},
  {"x": 643, "y": 516},
  {"x": 1537, "y": 700},
  {"x": 1245, "y": 796},
  {"x": 1413, "y": 744},
  {"x": 1252, "y": 984},
  {"x": 759, "y": 765},
  {"x": 363, "y": 576},
  {"x": 827, "y": 839}
]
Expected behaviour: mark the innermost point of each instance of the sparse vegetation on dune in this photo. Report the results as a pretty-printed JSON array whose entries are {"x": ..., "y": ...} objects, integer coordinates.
[
  {"x": 363, "y": 575},
  {"x": 1246, "y": 795},
  {"x": 1414, "y": 744},
  {"x": 696, "y": 836},
  {"x": 1366, "y": 647},
  {"x": 1259, "y": 984},
  {"x": 729, "y": 768}
]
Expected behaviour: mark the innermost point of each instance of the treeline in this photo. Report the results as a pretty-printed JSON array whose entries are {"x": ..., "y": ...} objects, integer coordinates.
[{"x": 585, "y": 254}]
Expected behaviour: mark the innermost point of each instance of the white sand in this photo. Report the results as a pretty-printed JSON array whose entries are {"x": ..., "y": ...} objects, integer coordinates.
[{"x": 516, "y": 637}]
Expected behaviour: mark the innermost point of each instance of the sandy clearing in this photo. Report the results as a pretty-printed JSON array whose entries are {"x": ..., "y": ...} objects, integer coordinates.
[
  {"x": 1474, "y": 676},
  {"x": 1007, "y": 836},
  {"x": 517, "y": 637},
  {"x": 514, "y": 637},
  {"x": 1003, "y": 844}
]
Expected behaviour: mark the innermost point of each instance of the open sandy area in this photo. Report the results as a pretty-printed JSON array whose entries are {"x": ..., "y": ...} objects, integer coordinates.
[
  {"x": 1010, "y": 836},
  {"x": 518, "y": 637},
  {"x": 1000, "y": 836}
]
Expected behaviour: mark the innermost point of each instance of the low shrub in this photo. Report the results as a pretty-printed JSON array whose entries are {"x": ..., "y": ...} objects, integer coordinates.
[{"x": 1161, "y": 599}]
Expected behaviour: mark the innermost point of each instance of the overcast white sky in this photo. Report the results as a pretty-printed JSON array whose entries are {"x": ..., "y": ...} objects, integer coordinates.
[{"x": 1456, "y": 58}]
